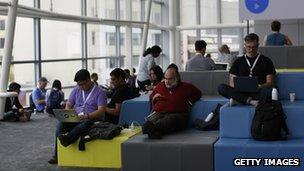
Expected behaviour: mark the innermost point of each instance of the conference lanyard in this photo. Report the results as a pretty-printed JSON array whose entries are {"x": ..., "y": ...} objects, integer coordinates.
[
  {"x": 86, "y": 99},
  {"x": 254, "y": 63}
]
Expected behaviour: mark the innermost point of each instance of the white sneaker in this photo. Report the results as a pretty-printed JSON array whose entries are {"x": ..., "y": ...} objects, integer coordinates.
[{"x": 233, "y": 102}]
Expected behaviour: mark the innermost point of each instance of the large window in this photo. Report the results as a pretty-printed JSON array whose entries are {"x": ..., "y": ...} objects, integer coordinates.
[
  {"x": 60, "y": 40},
  {"x": 230, "y": 11},
  {"x": 62, "y": 6},
  {"x": 26, "y": 2},
  {"x": 24, "y": 74},
  {"x": 208, "y": 11},
  {"x": 24, "y": 40},
  {"x": 156, "y": 14},
  {"x": 104, "y": 38},
  {"x": 188, "y": 12},
  {"x": 101, "y": 9},
  {"x": 63, "y": 71}
]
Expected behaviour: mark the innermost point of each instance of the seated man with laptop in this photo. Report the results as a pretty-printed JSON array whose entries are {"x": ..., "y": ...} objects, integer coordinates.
[
  {"x": 250, "y": 75},
  {"x": 86, "y": 104}
]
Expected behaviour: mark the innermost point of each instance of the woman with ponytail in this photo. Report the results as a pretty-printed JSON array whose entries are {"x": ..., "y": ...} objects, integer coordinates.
[{"x": 145, "y": 64}]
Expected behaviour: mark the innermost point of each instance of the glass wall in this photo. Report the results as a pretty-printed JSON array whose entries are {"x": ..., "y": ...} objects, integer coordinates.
[
  {"x": 101, "y": 9},
  {"x": 211, "y": 12},
  {"x": 208, "y": 12},
  {"x": 230, "y": 11},
  {"x": 188, "y": 12},
  {"x": 62, "y": 6},
  {"x": 60, "y": 40}
]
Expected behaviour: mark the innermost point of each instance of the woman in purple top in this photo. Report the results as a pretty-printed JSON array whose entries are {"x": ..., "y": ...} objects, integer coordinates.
[{"x": 89, "y": 101}]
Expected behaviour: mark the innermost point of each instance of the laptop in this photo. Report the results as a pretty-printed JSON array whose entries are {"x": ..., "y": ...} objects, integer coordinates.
[
  {"x": 66, "y": 115},
  {"x": 221, "y": 66},
  {"x": 246, "y": 84}
]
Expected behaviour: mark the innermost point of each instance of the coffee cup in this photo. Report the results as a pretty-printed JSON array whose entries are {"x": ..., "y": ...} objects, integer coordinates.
[{"x": 292, "y": 97}]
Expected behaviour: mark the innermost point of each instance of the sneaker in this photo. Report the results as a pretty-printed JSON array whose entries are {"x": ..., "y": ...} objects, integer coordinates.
[
  {"x": 233, "y": 102},
  {"x": 254, "y": 103},
  {"x": 53, "y": 160},
  {"x": 64, "y": 140},
  {"x": 150, "y": 129}
]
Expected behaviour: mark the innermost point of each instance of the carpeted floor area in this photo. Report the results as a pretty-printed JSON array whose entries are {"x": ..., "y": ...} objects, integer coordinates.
[{"x": 28, "y": 146}]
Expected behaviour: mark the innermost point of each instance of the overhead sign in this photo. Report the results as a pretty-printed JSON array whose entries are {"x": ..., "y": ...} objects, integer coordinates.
[{"x": 271, "y": 9}]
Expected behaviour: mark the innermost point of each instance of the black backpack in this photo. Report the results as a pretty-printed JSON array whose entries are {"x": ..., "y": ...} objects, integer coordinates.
[
  {"x": 100, "y": 130},
  {"x": 268, "y": 123},
  {"x": 213, "y": 124},
  {"x": 54, "y": 100}
]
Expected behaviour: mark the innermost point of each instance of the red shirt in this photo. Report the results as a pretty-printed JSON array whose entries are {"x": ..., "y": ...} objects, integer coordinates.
[{"x": 175, "y": 100}]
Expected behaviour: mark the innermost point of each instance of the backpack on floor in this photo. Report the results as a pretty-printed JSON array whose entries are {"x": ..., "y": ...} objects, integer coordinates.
[
  {"x": 269, "y": 123},
  {"x": 100, "y": 130},
  {"x": 213, "y": 124}
]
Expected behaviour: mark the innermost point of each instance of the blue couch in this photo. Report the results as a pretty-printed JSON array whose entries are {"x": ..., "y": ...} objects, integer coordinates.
[
  {"x": 191, "y": 149},
  {"x": 235, "y": 139}
]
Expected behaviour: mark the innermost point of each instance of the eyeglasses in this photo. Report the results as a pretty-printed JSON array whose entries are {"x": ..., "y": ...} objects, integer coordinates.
[{"x": 251, "y": 47}]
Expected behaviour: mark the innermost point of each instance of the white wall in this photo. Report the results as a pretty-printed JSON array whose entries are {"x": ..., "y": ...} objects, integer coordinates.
[{"x": 294, "y": 29}]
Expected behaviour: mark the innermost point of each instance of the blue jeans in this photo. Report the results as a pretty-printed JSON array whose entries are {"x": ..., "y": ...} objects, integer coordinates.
[
  {"x": 229, "y": 92},
  {"x": 73, "y": 130}
]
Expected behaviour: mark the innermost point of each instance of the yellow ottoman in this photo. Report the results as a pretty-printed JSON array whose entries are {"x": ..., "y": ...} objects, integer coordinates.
[{"x": 98, "y": 153}]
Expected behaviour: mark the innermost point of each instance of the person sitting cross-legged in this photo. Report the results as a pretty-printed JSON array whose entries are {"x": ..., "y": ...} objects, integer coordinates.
[
  {"x": 252, "y": 64},
  {"x": 14, "y": 111}
]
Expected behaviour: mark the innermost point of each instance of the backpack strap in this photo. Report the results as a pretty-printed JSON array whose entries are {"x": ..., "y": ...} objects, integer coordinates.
[{"x": 83, "y": 140}]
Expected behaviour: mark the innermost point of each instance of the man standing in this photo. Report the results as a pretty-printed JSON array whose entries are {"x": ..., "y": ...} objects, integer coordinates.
[
  {"x": 171, "y": 101},
  {"x": 199, "y": 62},
  {"x": 276, "y": 38},
  {"x": 38, "y": 95},
  {"x": 89, "y": 101},
  {"x": 251, "y": 64}
]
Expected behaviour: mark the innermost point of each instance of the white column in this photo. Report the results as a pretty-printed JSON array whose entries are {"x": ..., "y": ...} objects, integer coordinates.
[
  {"x": 8, "y": 48},
  {"x": 146, "y": 27},
  {"x": 128, "y": 43},
  {"x": 173, "y": 45}
]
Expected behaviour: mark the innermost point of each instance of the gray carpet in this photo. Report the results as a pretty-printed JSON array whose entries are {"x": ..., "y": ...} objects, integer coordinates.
[{"x": 28, "y": 146}]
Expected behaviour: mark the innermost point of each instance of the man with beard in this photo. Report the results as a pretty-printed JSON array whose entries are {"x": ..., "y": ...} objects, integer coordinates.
[{"x": 171, "y": 102}]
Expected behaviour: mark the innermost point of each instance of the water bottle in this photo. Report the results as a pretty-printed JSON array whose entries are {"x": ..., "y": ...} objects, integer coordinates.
[
  {"x": 274, "y": 94},
  {"x": 209, "y": 117}
]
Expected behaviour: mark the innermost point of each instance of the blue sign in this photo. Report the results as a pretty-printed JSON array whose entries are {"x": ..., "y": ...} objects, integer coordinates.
[{"x": 256, "y": 6}]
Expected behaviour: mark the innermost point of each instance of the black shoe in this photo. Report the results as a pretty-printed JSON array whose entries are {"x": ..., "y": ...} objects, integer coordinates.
[
  {"x": 151, "y": 130},
  {"x": 64, "y": 140},
  {"x": 53, "y": 160}
]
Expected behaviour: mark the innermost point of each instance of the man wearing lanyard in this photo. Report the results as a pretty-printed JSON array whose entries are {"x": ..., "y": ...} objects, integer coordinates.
[
  {"x": 89, "y": 101},
  {"x": 251, "y": 64},
  {"x": 38, "y": 94}
]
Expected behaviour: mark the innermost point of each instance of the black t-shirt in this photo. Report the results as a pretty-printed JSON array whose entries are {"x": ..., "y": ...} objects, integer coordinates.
[
  {"x": 10, "y": 102},
  {"x": 263, "y": 67},
  {"x": 120, "y": 94}
]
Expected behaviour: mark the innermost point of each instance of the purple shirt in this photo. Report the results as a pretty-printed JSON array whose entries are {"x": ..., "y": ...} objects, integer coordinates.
[{"x": 97, "y": 98}]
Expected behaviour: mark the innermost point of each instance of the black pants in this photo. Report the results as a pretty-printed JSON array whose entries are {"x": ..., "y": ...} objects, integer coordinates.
[
  {"x": 141, "y": 84},
  {"x": 229, "y": 92},
  {"x": 169, "y": 122}
]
